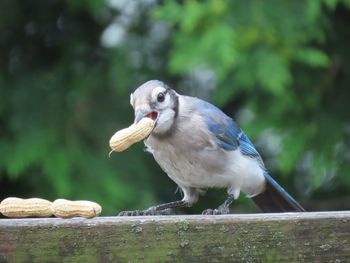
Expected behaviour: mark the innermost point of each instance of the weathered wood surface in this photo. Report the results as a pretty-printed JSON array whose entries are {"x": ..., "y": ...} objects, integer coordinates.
[{"x": 286, "y": 237}]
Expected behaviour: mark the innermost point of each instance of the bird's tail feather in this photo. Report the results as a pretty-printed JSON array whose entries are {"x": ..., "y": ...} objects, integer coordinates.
[{"x": 275, "y": 199}]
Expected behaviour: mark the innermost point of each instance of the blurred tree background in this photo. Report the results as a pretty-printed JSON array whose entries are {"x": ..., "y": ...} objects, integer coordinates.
[{"x": 280, "y": 68}]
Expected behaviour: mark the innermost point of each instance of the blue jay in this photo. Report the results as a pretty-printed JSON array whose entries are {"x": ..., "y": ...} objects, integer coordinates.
[{"x": 200, "y": 147}]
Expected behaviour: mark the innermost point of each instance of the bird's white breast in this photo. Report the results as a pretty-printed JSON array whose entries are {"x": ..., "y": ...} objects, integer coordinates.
[
  {"x": 188, "y": 166},
  {"x": 191, "y": 158},
  {"x": 208, "y": 168}
]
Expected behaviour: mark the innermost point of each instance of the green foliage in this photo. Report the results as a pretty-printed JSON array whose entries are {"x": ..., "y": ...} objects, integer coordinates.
[
  {"x": 280, "y": 57},
  {"x": 257, "y": 41},
  {"x": 60, "y": 104},
  {"x": 63, "y": 92}
]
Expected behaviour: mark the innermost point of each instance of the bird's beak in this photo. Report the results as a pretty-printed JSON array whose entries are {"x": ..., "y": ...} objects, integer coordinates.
[
  {"x": 145, "y": 113},
  {"x": 139, "y": 115}
]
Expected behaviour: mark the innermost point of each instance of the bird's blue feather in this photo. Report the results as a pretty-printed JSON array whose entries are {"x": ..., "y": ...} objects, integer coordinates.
[
  {"x": 220, "y": 125},
  {"x": 283, "y": 193},
  {"x": 246, "y": 146},
  {"x": 226, "y": 131}
]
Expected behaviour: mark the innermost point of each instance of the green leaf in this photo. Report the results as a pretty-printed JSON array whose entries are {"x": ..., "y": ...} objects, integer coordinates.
[
  {"x": 272, "y": 71},
  {"x": 293, "y": 146},
  {"x": 29, "y": 149},
  {"x": 312, "y": 56},
  {"x": 330, "y": 4}
]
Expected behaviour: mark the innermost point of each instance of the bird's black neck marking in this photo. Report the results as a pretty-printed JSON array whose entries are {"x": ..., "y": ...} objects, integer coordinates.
[{"x": 175, "y": 98}]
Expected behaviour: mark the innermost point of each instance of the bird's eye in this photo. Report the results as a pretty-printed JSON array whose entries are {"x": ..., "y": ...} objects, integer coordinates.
[{"x": 160, "y": 97}]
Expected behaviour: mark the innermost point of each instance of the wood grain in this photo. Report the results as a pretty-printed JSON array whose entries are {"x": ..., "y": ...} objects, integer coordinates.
[{"x": 284, "y": 237}]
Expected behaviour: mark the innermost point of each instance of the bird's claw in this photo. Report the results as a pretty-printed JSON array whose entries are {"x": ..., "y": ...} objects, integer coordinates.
[
  {"x": 131, "y": 213},
  {"x": 148, "y": 212},
  {"x": 219, "y": 211},
  {"x": 210, "y": 212}
]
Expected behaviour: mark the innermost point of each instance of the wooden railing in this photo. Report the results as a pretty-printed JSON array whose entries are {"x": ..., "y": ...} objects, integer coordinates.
[{"x": 284, "y": 237}]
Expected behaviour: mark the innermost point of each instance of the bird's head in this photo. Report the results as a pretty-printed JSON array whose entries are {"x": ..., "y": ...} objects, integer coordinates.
[{"x": 157, "y": 101}]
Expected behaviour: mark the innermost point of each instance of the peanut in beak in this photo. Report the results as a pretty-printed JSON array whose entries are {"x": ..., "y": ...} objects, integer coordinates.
[{"x": 136, "y": 132}]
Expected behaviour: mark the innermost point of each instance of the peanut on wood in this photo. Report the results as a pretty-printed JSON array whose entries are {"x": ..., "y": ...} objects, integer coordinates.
[
  {"x": 124, "y": 138},
  {"x": 32, "y": 207},
  {"x": 66, "y": 208}
]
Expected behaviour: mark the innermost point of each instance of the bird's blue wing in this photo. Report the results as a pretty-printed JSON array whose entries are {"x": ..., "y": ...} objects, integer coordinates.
[
  {"x": 224, "y": 129},
  {"x": 247, "y": 148}
]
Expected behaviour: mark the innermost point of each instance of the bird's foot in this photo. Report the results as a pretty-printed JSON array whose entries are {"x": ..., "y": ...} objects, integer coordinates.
[
  {"x": 221, "y": 210},
  {"x": 148, "y": 212}
]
